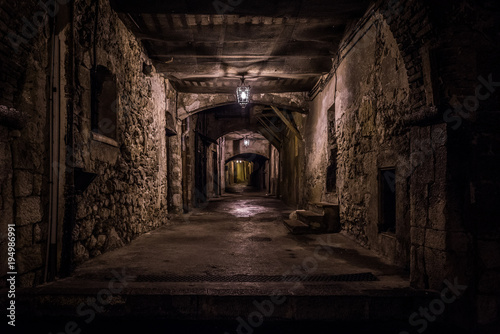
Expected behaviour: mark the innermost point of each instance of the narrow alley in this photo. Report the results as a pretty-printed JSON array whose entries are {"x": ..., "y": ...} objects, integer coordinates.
[
  {"x": 237, "y": 248},
  {"x": 250, "y": 166}
]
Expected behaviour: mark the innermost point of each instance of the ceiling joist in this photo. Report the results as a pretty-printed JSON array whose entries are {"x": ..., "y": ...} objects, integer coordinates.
[
  {"x": 274, "y": 41},
  {"x": 287, "y": 122}
]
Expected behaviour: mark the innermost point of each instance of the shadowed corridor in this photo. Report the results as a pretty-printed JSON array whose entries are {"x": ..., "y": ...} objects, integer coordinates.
[{"x": 237, "y": 166}]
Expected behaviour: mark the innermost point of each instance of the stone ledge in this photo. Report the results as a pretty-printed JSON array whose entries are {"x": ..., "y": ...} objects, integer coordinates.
[
  {"x": 103, "y": 139},
  {"x": 388, "y": 235}
]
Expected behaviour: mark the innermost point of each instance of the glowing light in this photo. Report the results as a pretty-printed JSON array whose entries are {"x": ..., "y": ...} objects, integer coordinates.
[{"x": 243, "y": 93}]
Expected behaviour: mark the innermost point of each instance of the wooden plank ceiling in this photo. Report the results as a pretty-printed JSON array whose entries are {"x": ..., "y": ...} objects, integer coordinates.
[{"x": 204, "y": 47}]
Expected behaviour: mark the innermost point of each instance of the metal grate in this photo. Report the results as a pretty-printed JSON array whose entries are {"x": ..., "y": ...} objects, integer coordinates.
[{"x": 362, "y": 277}]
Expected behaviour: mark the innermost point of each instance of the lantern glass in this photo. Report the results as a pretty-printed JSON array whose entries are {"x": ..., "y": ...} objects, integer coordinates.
[{"x": 243, "y": 94}]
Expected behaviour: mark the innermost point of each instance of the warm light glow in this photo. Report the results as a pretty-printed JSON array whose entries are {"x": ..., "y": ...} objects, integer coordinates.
[
  {"x": 243, "y": 94},
  {"x": 246, "y": 142}
]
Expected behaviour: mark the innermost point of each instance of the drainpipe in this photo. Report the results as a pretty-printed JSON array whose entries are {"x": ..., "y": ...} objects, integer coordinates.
[
  {"x": 66, "y": 231},
  {"x": 54, "y": 150},
  {"x": 57, "y": 238}
]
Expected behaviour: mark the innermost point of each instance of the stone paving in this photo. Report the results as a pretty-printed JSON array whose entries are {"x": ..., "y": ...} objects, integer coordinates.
[{"x": 241, "y": 234}]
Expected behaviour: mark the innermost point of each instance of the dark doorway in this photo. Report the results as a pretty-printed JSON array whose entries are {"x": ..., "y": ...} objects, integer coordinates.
[
  {"x": 215, "y": 163},
  {"x": 331, "y": 172},
  {"x": 387, "y": 180},
  {"x": 201, "y": 195}
]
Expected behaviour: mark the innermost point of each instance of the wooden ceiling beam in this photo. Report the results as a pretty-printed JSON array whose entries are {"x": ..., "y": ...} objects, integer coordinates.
[{"x": 287, "y": 122}]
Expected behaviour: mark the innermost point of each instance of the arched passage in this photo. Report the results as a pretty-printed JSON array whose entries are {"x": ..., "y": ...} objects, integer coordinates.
[
  {"x": 214, "y": 135},
  {"x": 248, "y": 158},
  {"x": 414, "y": 44},
  {"x": 247, "y": 169}
]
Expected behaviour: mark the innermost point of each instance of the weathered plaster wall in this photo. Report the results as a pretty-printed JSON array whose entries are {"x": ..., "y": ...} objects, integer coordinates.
[
  {"x": 368, "y": 96},
  {"x": 292, "y": 168},
  {"x": 188, "y": 153},
  {"x": 129, "y": 195},
  {"x": 273, "y": 182},
  {"x": 212, "y": 177}
]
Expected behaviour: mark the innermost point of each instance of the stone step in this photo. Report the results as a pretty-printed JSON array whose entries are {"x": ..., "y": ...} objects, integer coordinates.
[
  {"x": 285, "y": 214},
  {"x": 313, "y": 219},
  {"x": 320, "y": 207},
  {"x": 135, "y": 324},
  {"x": 296, "y": 226},
  {"x": 331, "y": 213},
  {"x": 342, "y": 301}
]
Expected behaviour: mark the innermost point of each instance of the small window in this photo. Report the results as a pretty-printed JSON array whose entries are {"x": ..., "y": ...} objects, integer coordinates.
[
  {"x": 104, "y": 102},
  {"x": 387, "y": 181}
]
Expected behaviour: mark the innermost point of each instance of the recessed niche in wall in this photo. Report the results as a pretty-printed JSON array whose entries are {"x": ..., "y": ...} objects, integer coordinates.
[
  {"x": 387, "y": 195},
  {"x": 104, "y": 102},
  {"x": 331, "y": 169}
]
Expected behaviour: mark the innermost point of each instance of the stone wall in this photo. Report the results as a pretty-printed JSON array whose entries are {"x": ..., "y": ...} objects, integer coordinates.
[
  {"x": 419, "y": 94},
  {"x": 174, "y": 154},
  {"x": 129, "y": 194},
  {"x": 189, "y": 151},
  {"x": 24, "y": 152},
  {"x": 17, "y": 41},
  {"x": 292, "y": 167},
  {"x": 257, "y": 146},
  {"x": 469, "y": 101},
  {"x": 368, "y": 98}
]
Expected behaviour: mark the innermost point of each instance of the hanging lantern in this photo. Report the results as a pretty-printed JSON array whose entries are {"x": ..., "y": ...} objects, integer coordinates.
[
  {"x": 246, "y": 142},
  {"x": 243, "y": 93}
]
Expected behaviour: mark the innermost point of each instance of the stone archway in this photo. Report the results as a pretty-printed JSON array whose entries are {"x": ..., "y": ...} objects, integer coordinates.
[
  {"x": 428, "y": 142},
  {"x": 412, "y": 41},
  {"x": 189, "y": 104},
  {"x": 248, "y": 168}
]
